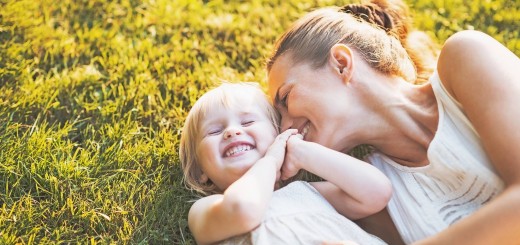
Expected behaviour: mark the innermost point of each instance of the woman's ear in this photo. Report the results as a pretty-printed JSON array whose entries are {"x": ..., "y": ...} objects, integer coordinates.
[{"x": 341, "y": 60}]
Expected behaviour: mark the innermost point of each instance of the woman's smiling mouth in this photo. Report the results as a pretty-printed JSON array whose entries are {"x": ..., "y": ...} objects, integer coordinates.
[{"x": 305, "y": 129}]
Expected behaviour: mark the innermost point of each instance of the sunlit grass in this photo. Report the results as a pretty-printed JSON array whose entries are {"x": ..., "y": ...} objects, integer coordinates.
[{"x": 93, "y": 95}]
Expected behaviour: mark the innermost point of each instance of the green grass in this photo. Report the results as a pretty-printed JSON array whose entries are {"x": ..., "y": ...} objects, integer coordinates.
[{"x": 93, "y": 95}]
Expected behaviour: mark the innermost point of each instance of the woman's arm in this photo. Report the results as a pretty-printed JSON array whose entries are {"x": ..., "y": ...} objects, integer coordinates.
[
  {"x": 355, "y": 188},
  {"x": 484, "y": 77},
  {"x": 242, "y": 206},
  {"x": 382, "y": 226}
]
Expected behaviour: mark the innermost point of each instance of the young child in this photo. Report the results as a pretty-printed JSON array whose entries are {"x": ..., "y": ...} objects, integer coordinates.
[{"x": 230, "y": 150}]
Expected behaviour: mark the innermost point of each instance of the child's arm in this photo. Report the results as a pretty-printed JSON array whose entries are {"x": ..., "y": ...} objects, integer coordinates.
[
  {"x": 355, "y": 188},
  {"x": 242, "y": 206}
]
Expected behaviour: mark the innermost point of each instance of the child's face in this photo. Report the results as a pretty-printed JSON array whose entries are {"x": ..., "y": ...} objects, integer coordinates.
[{"x": 232, "y": 140}]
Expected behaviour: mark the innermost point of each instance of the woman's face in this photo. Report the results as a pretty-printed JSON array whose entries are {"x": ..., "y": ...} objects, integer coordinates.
[{"x": 314, "y": 101}]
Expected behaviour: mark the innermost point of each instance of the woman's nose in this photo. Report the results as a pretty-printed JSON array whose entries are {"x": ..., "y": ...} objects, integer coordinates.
[
  {"x": 287, "y": 122},
  {"x": 232, "y": 132}
]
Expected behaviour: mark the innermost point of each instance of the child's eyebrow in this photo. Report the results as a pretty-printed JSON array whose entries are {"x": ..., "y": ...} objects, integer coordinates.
[
  {"x": 247, "y": 113},
  {"x": 208, "y": 123}
]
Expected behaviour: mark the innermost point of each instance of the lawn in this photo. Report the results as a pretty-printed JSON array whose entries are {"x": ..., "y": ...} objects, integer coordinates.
[{"x": 93, "y": 95}]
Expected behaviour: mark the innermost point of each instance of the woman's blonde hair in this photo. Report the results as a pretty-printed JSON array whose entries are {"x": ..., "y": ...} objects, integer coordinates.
[
  {"x": 379, "y": 31},
  {"x": 223, "y": 96}
]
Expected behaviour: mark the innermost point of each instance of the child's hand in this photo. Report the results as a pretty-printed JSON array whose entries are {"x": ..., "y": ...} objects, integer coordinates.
[
  {"x": 277, "y": 149},
  {"x": 290, "y": 165}
]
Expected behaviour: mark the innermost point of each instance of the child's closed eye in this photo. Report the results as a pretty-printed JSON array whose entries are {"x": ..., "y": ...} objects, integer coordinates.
[
  {"x": 215, "y": 132},
  {"x": 247, "y": 123}
]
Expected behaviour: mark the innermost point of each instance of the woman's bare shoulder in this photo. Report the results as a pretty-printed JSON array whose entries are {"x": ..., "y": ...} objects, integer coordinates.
[{"x": 473, "y": 59}]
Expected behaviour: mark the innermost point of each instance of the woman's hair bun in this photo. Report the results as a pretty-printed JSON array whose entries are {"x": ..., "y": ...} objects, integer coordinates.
[{"x": 371, "y": 13}]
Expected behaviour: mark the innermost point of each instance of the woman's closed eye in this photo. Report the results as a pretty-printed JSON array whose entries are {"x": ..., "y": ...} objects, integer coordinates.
[{"x": 283, "y": 101}]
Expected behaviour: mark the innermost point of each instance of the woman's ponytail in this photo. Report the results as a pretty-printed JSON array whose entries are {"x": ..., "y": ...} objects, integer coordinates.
[{"x": 393, "y": 16}]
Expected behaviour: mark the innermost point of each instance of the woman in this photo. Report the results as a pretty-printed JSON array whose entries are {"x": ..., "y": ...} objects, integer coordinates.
[{"x": 449, "y": 145}]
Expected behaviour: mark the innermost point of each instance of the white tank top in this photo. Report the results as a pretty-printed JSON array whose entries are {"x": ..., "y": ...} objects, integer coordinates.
[{"x": 458, "y": 180}]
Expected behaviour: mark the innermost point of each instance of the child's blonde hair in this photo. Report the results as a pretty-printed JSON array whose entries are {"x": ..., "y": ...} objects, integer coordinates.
[{"x": 223, "y": 96}]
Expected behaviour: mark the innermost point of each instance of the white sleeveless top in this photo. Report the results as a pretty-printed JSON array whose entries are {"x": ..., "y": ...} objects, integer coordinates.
[
  {"x": 458, "y": 180},
  {"x": 299, "y": 214}
]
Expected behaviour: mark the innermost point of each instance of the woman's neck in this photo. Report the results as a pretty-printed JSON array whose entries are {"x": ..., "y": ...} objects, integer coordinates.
[{"x": 408, "y": 121}]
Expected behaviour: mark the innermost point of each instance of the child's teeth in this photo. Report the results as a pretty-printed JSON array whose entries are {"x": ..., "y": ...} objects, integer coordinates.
[{"x": 237, "y": 149}]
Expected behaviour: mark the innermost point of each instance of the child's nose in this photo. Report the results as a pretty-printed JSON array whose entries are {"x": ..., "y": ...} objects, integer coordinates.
[{"x": 231, "y": 132}]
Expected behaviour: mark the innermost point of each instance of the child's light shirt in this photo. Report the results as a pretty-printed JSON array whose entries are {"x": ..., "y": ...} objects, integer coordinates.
[
  {"x": 458, "y": 180},
  {"x": 299, "y": 214}
]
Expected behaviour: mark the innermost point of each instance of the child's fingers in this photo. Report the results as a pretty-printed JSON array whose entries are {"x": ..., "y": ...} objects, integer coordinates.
[
  {"x": 299, "y": 136},
  {"x": 277, "y": 149},
  {"x": 287, "y": 133},
  {"x": 283, "y": 137}
]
